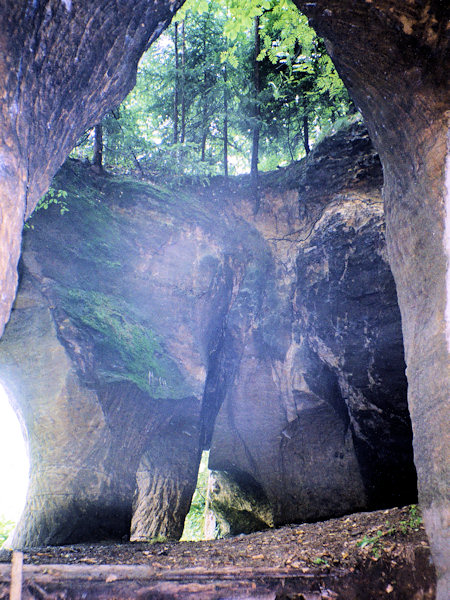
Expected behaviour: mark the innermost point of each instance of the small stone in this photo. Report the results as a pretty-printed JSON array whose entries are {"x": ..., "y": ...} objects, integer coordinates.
[{"x": 389, "y": 588}]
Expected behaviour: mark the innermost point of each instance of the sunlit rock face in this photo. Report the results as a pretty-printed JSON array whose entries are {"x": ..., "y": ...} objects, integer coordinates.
[
  {"x": 134, "y": 282},
  {"x": 151, "y": 324}
]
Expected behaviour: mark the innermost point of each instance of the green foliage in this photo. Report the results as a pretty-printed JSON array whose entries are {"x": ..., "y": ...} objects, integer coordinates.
[
  {"x": 413, "y": 522},
  {"x": 159, "y": 539},
  {"x": 195, "y": 520},
  {"x": 374, "y": 542},
  {"x": 321, "y": 561},
  {"x": 6, "y": 527},
  {"x": 301, "y": 94},
  {"x": 52, "y": 197},
  {"x": 405, "y": 526}
]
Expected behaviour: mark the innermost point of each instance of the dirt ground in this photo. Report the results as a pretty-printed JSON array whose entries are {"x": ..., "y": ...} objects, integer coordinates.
[{"x": 382, "y": 554}]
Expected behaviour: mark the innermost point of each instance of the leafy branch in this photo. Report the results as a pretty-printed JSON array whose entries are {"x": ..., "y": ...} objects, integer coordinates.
[{"x": 52, "y": 197}]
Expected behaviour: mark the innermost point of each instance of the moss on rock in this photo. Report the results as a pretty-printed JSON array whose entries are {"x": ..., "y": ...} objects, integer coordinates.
[{"x": 128, "y": 350}]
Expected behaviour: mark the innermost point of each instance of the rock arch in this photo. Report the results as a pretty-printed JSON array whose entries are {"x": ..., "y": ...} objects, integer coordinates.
[{"x": 63, "y": 64}]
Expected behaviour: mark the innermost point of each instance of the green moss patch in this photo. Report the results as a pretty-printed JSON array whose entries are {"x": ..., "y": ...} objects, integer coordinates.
[{"x": 127, "y": 350}]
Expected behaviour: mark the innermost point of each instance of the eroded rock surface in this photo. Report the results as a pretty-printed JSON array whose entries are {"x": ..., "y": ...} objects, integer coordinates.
[
  {"x": 133, "y": 281},
  {"x": 176, "y": 321},
  {"x": 394, "y": 59},
  {"x": 315, "y": 411},
  {"x": 62, "y": 65}
]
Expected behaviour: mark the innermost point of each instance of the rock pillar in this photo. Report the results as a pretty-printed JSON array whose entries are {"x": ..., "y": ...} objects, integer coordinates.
[{"x": 393, "y": 58}]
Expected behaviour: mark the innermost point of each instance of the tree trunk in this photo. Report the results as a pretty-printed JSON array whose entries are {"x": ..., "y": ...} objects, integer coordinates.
[
  {"x": 256, "y": 112},
  {"x": 204, "y": 104},
  {"x": 306, "y": 134},
  {"x": 183, "y": 81},
  {"x": 288, "y": 133},
  {"x": 204, "y": 130},
  {"x": 97, "y": 160},
  {"x": 176, "y": 90},
  {"x": 225, "y": 122}
]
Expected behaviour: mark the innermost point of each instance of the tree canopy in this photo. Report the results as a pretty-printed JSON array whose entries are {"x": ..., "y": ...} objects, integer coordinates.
[{"x": 231, "y": 83}]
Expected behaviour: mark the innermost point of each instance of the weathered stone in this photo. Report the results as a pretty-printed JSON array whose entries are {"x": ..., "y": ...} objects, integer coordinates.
[
  {"x": 314, "y": 384},
  {"x": 62, "y": 65},
  {"x": 235, "y": 507},
  {"x": 129, "y": 288},
  {"x": 187, "y": 320},
  {"x": 394, "y": 59},
  {"x": 63, "y": 500}
]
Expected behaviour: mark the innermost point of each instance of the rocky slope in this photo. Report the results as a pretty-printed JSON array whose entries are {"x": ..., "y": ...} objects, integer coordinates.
[{"x": 152, "y": 323}]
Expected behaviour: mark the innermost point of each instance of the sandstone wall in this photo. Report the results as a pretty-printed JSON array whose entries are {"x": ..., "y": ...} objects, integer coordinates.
[{"x": 186, "y": 319}]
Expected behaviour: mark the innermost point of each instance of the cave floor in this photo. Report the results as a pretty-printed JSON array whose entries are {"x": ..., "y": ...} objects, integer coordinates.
[{"x": 381, "y": 554}]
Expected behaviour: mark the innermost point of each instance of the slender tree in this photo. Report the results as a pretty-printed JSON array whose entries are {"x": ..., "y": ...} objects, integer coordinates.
[
  {"x": 204, "y": 93},
  {"x": 257, "y": 90},
  {"x": 306, "y": 134},
  {"x": 97, "y": 160},
  {"x": 183, "y": 81},
  {"x": 177, "y": 85},
  {"x": 225, "y": 120}
]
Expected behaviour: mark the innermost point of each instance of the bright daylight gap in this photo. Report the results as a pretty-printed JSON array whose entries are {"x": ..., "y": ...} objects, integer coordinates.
[{"x": 14, "y": 466}]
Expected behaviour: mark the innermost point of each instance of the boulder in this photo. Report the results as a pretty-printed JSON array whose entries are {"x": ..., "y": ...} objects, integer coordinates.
[{"x": 234, "y": 507}]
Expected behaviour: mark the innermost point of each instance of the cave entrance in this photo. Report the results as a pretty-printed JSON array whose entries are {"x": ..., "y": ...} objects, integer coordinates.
[{"x": 14, "y": 466}]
